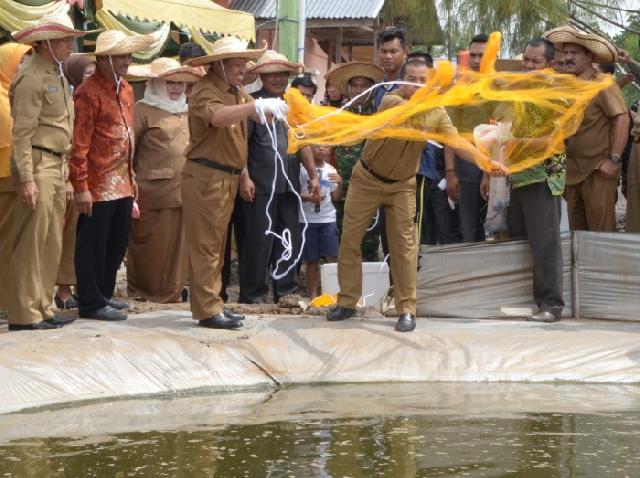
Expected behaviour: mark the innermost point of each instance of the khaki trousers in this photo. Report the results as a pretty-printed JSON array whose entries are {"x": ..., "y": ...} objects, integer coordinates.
[
  {"x": 633, "y": 190},
  {"x": 8, "y": 200},
  {"x": 67, "y": 269},
  {"x": 208, "y": 197},
  {"x": 37, "y": 245},
  {"x": 366, "y": 194},
  {"x": 591, "y": 204}
]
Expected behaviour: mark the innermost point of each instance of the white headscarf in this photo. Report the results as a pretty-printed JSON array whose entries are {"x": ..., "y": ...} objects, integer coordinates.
[{"x": 156, "y": 95}]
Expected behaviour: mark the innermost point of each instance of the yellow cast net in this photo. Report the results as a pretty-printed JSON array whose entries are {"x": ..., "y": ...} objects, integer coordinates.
[{"x": 541, "y": 109}]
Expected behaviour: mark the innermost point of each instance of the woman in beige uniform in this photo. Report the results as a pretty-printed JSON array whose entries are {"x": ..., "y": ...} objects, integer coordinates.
[{"x": 156, "y": 258}]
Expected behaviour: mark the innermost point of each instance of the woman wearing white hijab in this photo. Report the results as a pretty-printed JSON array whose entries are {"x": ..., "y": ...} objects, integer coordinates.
[{"x": 156, "y": 259}]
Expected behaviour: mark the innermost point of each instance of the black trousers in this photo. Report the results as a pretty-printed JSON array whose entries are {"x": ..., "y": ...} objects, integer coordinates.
[
  {"x": 237, "y": 226},
  {"x": 101, "y": 243},
  {"x": 472, "y": 212},
  {"x": 534, "y": 213},
  {"x": 261, "y": 252},
  {"x": 440, "y": 223}
]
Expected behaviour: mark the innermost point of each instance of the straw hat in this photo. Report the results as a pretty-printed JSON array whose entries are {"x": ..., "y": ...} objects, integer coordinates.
[
  {"x": 340, "y": 75},
  {"x": 603, "y": 51},
  {"x": 167, "y": 69},
  {"x": 273, "y": 62},
  {"x": 227, "y": 47},
  {"x": 249, "y": 77},
  {"x": 115, "y": 42},
  {"x": 50, "y": 27}
]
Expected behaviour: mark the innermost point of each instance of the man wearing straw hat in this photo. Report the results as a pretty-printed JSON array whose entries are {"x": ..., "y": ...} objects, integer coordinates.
[
  {"x": 42, "y": 111},
  {"x": 101, "y": 174},
  {"x": 219, "y": 108},
  {"x": 259, "y": 252},
  {"x": 594, "y": 152}
]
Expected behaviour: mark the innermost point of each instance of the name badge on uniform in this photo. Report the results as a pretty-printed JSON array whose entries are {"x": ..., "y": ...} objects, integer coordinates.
[{"x": 52, "y": 89}]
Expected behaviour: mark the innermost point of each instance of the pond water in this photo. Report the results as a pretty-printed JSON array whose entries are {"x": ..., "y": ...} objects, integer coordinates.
[{"x": 390, "y": 430}]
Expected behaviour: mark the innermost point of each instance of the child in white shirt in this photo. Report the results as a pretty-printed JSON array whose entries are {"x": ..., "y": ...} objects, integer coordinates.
[{"x": 321, "y": 238}]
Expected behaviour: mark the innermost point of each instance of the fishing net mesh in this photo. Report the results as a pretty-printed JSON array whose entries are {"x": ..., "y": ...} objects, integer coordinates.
[{"x": 534, "y": 111}]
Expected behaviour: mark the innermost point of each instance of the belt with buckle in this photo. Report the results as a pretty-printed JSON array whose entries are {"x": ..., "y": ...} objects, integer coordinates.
[
  {"x": 376, "y": 175},
  {"x": 47, "y": 150},
  {"x": 214, "y": 165}
]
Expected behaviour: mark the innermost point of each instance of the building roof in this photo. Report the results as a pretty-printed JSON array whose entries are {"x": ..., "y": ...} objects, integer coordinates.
[{"x": 315, "y": 9}]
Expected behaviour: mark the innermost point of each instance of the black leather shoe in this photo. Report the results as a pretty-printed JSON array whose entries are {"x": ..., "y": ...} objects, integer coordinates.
[
  {"x": 406, "y": 323},
  {"x": 219, "y": 321},
  {"x": 232, "y": 315},
  {"x": 44, "y": 325},
  {"x": 546, "y": 316},
  {"x": 340, "y": 313},
  {"x": 106, "y": 313},
  {"x": 70, "y": 303},
  {"x": 118, "y": 304},
  {"x": 61, "y": 321}
]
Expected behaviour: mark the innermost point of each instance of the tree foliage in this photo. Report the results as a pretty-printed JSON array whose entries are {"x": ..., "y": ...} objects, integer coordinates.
[{"x": 452, "y": 23}]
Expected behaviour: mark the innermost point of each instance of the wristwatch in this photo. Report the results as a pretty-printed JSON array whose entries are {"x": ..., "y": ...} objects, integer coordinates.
[{"x": 616, "y": 158}]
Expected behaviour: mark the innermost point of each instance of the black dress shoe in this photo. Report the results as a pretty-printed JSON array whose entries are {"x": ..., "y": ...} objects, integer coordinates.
[
  {"x": 117, "y": 304},
  {"x": 106, "y": 313},
  {"x": 340, "y": 313},
  {"x": 406, "y": 323},
  {"x": 219, "y": 321},
  {"x": 44, "y": 325},
  {"x": 546, "y": 316},
  {"x": 61, "y": 321},
  {"x": 70, "y": 303},
  {"x": 232, "y": 315}
]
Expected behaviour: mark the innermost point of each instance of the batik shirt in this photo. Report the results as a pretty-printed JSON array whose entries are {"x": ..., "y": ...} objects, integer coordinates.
[{"x": 103, "y": 139}]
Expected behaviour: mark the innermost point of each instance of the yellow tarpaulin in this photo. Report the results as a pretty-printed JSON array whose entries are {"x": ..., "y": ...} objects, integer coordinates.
[{"x": 202, "y": 15}]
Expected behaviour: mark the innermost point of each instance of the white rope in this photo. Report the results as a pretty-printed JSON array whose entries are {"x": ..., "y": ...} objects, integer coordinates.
[
  {"x": 285, "y": 239},
  {"x": 375, "y": 221}
]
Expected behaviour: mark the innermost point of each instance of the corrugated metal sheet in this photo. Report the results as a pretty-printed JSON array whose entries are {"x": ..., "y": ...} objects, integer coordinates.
[{"x": 328, "y": 9}]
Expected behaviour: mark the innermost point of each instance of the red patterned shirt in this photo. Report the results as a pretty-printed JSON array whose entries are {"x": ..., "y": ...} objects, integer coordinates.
[{"x": 102, "y": 139}]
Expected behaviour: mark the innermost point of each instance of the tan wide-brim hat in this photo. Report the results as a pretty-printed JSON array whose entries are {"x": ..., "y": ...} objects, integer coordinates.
[
  {"x": 115, "y": 42},
  {"x": 340, "y": 75},
  {"x": 603, "y": 50},
  {"x": 227, "y": 47},
  {"x": 167, "y": 69},
  {"x": 273, "y": 62},
  {"x": 50, "y": 27}
]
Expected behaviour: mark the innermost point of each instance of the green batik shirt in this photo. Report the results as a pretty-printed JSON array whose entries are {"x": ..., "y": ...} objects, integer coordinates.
[{"x": 552, "y": 170}]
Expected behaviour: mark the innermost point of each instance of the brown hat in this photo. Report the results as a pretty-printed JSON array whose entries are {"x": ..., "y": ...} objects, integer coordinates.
[
  {"x": 167, "y": 69},
  {"x": 50, "y": 27},
  {"x": 273, "y": 62},
  {"x": 340, "y": 75},
  {"x": 227, "y": 47},
  {"x": 603, "y": 51}
]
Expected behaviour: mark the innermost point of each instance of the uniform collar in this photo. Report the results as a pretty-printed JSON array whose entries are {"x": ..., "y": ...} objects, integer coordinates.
[
  {"x": 220, "y": 83},
  {"x": 588, "y": 74},
  {"x": 49, "y": 66}
]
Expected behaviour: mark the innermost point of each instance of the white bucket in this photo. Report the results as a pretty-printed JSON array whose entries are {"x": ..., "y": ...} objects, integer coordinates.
[{"x": 375, "y": 281}]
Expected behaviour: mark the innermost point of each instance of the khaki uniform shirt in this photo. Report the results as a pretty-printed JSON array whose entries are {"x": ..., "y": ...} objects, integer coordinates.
[
  {"x": 227, "y": 146},
  {"x": 592, "y": 142},
  {"x": 42, "y": 111},
  {"x": 399, "y": 159},
  {"x": 161, "y": 140}
]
